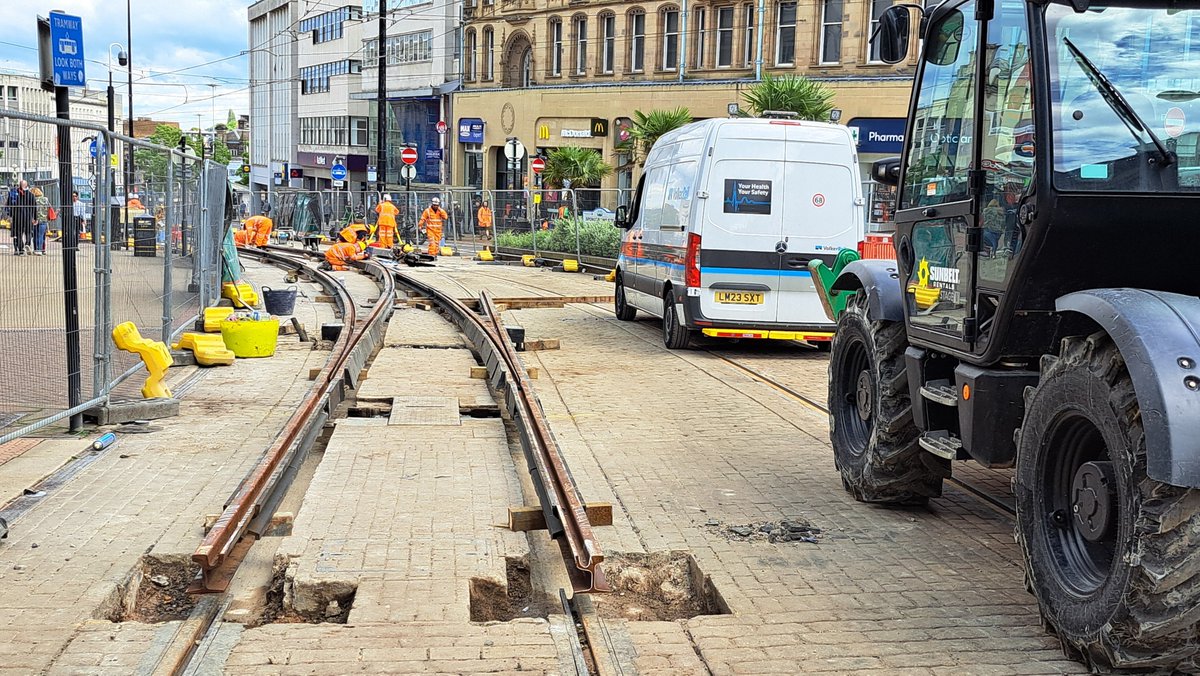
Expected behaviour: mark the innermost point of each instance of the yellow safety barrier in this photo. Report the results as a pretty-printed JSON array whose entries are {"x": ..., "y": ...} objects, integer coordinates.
[
  {"x": 154, "y": 354},
  {"x": 242, "y": 294},
  {"x": 528, "y": 260},
  {"x": 571, "y": 265},
  {"x": 447, "y": 251},
  {"x": 611, "y": 276},
  {"x": 486, "y": 255},
  {"x": 213, "y": 316},
  {"x": 209, "y": 348}
]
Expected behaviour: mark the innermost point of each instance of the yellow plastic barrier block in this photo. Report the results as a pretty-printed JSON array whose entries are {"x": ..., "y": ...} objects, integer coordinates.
[
  {"x": 571, "y": 265},
  {"x": 611, "y": 276},
  {"x": 209, "y": 348},
  {"x": 447, "y": 251},
  {"x": 486, "y": 255},
  {"x": 528, "y": 260},
  {"x": 242, "y": 294},
  {"x": 213, "y": 316},
  {"x": 154, "y": 354}
]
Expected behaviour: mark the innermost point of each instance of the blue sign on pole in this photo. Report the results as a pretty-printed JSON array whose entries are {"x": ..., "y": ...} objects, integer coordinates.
[
  {"x": 338, "y": 172},
  {"x": 470, "y": 130},
  {"x": 66, "y": 49}
]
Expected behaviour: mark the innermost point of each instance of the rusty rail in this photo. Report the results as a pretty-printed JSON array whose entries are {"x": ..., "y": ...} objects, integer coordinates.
[
  {"x": 561, "y": 504},
  {"x": 250, "y": 507}
]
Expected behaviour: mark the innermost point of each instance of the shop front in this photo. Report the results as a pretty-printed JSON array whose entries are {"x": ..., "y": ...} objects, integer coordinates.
[{"x": 878, "y": 138}]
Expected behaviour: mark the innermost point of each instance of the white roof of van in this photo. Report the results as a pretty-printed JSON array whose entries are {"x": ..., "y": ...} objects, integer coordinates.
[{"x": 702, "y": 128}]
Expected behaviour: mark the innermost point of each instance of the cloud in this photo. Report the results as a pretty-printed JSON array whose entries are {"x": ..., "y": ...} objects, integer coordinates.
[{"x": 171, "y": 41}]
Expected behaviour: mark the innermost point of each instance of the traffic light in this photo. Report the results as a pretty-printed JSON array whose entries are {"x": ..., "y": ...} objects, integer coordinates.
[{"x": 245, "y": 168}]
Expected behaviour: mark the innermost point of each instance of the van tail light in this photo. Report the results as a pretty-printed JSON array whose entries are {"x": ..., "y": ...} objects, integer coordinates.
[
  {"x": 691, "y": 262},
  {"x": 862, "y": 248}
]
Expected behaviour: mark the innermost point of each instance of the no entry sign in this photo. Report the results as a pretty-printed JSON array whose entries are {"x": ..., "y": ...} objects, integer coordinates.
[
  {"x": 408, "y": 156},
  {"x": 537, "y": 165}
]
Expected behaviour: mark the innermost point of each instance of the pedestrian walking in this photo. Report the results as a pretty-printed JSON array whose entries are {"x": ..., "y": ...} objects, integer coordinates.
[
  {"x": 23, "y": 209},
  {"x": 80, "y": 211},
  {"x": 41, "y": 221}
]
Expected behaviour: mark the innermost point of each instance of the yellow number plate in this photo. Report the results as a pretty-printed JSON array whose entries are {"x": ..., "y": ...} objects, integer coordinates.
[{"x": 740, "y": 297}]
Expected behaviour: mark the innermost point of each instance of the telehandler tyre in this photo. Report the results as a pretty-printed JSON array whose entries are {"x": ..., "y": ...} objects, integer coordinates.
[
  {"x": 870, "y": 416},
  {"x": 1112, "y": 556}
]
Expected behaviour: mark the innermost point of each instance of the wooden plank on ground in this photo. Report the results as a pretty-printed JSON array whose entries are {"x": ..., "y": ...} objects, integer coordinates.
[
  {"x": 523, "y": 519},
  {"x": 543, "y": 344}
]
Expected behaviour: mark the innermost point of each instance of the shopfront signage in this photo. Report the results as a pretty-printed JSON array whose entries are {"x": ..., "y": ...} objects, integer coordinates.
[
  {"x": 879, "y": 134},
  {"x": 470, "y": 130},
  {"x": 576, "y": 133}
]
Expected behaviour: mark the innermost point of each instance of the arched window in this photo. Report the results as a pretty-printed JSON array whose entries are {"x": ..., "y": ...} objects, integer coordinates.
[
  {"x": 518, "y": 60},
  {"x": 635, "y": 20},
  {"x": 555, "y": 57},
  {"x": 608, "y": 42},
  {"x": 668, "y": 22},
  {"x": 579, "y": 26},
  {"x": 489, "y": 53},
  {"x": 471, "y": 56}
]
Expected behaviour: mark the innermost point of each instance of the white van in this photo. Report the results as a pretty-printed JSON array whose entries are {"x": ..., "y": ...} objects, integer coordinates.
[{"x": 726, "y": 217}]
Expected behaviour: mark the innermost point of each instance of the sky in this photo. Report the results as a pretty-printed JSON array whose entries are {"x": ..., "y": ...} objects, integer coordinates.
[{"x": 180, "y": 47}]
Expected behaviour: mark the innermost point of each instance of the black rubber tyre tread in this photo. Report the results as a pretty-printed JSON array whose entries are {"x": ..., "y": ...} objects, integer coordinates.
[
  {"x": 675, "y": 337},
  {"x": 1154, "y": 623},
  {"x": 893, "y": 469},
  {"x": 621, "y": 307}
]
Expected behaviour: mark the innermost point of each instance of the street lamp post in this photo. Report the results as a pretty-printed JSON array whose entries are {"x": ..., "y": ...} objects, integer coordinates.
[
  {"x": 129, "y": 66},
  {"x": 114, "y": 214}
]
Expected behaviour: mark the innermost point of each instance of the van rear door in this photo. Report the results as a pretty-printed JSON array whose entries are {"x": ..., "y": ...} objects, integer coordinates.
[
  {"x": 742, "y": 219},
  {"x": 822, "y": 213}
]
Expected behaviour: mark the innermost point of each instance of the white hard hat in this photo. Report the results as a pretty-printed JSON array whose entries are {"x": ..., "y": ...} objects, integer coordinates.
[
  {"x": 437, "y": 200},
  {"x": 387, "y": 198}
]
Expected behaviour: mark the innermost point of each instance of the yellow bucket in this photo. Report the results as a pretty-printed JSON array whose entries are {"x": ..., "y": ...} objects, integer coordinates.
[{"x": 247, "y": 338}]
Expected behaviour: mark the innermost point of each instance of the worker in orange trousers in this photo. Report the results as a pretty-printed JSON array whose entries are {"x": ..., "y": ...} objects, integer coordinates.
[
  {"x": 433, "y": 219},
  {"x": 386, "y": 223},
  {"x": 260, "y": 227}
]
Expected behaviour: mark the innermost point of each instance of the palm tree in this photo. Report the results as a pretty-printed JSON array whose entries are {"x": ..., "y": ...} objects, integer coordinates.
[
  {"x": 810, "y": 100},
  {"x": 648, "y": 127},
  {"x": 575, "y": 166}
]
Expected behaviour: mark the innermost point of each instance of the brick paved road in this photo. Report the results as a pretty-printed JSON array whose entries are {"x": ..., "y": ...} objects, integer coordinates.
[{"x": 677, "y": 439}]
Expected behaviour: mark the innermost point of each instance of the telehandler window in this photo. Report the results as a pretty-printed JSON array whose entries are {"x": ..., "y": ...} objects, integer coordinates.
[
  {"x": 1105, "y": 134},
  {"x": 945, "y": 115}
]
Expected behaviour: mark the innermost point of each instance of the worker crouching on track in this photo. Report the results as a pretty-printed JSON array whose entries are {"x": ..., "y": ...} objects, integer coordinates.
[
  {"x": 258, "y": 229},
  {"x": 433, "y": 219},
  {"x": 386, "y": 225},
  {"x": 347, "y": 249}
]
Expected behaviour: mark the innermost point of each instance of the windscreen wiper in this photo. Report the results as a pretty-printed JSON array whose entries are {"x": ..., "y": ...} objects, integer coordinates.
[{"x": 1120, "y": 106}]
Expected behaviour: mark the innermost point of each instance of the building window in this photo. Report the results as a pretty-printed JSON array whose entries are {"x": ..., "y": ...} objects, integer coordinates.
[
  {"x": 637, "y": 41},
  {"x": 608, "y": 26},
  {"x": 581, "y": 45},
  {"x": 701, "y": 34},
  {"x": 556, "y": 47},
  {"x": 332, "y": 131},
  {"x": 724, "y": 37},
  {"x": 785, "y": 34},
  {"x": 489, "y": 47},
  {"x": 358, "y": 131},
  {"x": 328, "y": 26},
  {"x": 670, "y": 50},
  {"x": 469, "y": 66},
  {"x": 878, "y": 7},
  {"x": 315, "y": 79},
  {"x": 748, "y": 43},
  {"x": 831, "y": 31}
]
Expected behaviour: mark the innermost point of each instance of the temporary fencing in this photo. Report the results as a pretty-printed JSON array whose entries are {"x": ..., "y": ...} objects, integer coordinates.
[{"x": 150, "y": 257}]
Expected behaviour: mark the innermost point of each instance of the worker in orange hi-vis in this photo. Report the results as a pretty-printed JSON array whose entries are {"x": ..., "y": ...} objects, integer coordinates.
[
  {"x": 484, "y": 220},
  {"x": 242, "y": 237},
  {"x": 432, "y": 219},
  {"x": 346, "y": 250},
  {"x": 386, "y": 224},
  {"x": 260, "y": 227}
]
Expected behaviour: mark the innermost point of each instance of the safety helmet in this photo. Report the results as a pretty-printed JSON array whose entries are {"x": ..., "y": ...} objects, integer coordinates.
[
  {"x": 387, "y": 198},
  {"x": 436, "y": 201}
]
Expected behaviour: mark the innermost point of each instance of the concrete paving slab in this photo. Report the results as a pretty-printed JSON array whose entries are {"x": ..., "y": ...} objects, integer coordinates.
[
  {"x": 421, "y": 328},
  {"x": 424, "y": 411},
  {"x": 407, "y": 371}
]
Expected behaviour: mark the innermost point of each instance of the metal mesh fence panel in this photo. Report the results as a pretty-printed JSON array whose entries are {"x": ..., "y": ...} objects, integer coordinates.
[{"x": 79, "y": 254}]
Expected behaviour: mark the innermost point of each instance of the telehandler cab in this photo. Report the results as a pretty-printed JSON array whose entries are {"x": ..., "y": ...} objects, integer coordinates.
[{"x": 1042, "y": 309}]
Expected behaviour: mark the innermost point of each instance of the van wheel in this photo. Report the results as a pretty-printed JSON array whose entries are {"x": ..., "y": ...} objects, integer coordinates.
[
  {"x": 871, "y": 423},
  {"x": 621, "y": 307},
  {"x": 1109, "y": 552},
  {"x": 675, "y": 337}
]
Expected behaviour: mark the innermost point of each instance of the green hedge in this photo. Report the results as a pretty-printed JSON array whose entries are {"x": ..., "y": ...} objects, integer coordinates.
[{"x": 596, "y": 238}]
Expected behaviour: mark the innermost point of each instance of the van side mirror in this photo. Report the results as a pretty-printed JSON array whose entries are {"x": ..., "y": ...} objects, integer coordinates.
[
  {"x": 892, "y": 34},
  {"x": 622, "y": 218},
  {"x": 886, "y": 171}
]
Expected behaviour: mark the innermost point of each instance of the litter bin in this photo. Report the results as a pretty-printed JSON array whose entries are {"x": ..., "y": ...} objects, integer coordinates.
[{"x": 145, "y": 237}]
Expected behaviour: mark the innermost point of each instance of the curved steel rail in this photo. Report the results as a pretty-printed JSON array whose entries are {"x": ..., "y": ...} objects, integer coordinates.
[
  {"x": 249, "y": 509},
  {"x": 562, "y": 506}
]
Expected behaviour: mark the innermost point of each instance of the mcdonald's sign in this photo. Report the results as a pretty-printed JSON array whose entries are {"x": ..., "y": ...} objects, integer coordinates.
[
  {"x": 544, "y": 132},
  {"x": 599, "y": 126}
]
